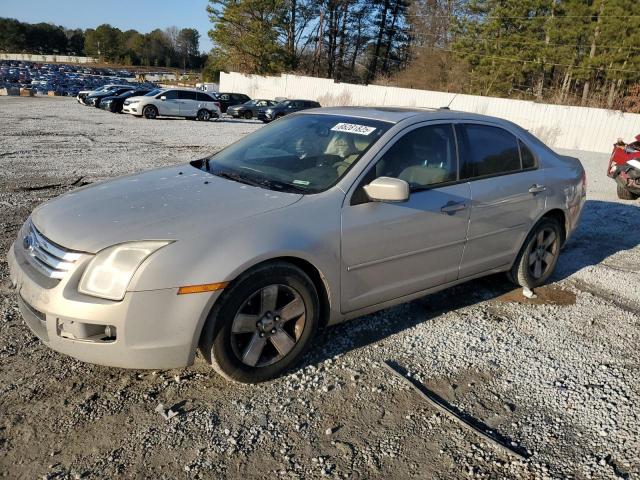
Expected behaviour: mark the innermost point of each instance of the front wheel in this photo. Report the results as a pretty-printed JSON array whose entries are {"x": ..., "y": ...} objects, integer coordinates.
[
  {"x": 539, "y": 255},
  {"x": 248, "y": 115},
  {"x": 625, "y": 194},
  {"x": 150, "y": 112},
  {"x": 203, "y": 115},
  {"x": 262, "y": 323}
]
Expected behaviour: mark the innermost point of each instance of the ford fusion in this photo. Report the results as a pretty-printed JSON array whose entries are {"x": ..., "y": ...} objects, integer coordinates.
[{"x": 319, "y": 217}]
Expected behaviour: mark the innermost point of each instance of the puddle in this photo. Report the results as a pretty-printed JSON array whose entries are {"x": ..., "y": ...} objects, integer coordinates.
[{"x": 546, "y": 295}]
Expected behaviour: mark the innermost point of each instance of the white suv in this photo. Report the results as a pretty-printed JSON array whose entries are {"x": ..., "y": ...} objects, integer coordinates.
[{"x": 173, "y": 102}]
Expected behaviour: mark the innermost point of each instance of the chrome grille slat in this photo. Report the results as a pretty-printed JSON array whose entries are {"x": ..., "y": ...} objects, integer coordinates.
[{"x": 50, "y": 259}]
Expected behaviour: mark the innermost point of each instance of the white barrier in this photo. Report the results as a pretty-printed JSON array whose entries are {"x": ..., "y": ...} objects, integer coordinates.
[
  {"x": 28, "y": 57},
  {"x": 576, "y": 128}
]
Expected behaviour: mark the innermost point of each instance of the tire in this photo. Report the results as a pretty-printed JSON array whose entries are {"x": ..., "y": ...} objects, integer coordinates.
[
  {"x": 150, "y": 112},
  {"x": 625, "y": 194},
  {"x": 203, "y": 115},
  {"x": 279, "y": 115},
  {"x": 538, "y": 257},
  {"x": 248, "y": 115},
  {"x": 245, "y": 340}
]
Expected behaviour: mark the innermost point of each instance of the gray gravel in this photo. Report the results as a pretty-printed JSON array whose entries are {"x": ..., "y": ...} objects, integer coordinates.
[{"x": 556, "y": 375}]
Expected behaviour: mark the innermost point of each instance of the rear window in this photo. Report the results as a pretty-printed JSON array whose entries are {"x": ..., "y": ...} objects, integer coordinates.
[
  {"x": 188, "y": 95},
  {"x": 528, "y": 160},
  {"x": 490, "y": 151},
  {"x": 203, "y": 97}
]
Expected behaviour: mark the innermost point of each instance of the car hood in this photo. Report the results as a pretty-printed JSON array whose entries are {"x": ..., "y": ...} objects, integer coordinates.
[{"x": 168, "y": 203}]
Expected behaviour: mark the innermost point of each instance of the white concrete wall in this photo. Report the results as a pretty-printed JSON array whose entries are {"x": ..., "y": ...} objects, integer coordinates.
[
  {"x": 577, "y": 128},
  {"x": 27, "y": 57}
]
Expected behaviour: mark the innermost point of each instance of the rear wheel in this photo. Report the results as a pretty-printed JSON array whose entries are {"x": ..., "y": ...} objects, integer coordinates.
[
  {"x": 248, "y": 114},
  {"x": 150, "y": 112},
  {"x": 204, "y": 115},
  {"x": 262, "y": 324},
  {"x": 539, "y": 255},
  {"x": 625, "y": 194}
]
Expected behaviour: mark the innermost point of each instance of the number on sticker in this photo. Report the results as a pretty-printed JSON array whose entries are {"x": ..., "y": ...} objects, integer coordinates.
[{"x": 353, "y": 128}]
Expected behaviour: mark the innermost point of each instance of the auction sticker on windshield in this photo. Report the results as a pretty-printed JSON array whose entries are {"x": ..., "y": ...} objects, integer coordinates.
[{"x": 353, "y": 128}]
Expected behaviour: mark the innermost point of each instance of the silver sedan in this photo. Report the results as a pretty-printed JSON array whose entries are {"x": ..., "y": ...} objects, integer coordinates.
[{"x": 319, "y": 217}]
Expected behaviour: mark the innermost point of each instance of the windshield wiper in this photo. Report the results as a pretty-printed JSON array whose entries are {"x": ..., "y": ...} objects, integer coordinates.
[
  {"x": 283, "y": 186},
  {"x": 236, "y": 177},
  {"x": 267, "y": 183}
]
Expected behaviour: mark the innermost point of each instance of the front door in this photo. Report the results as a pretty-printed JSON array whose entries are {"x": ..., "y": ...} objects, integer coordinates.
[
  {"x": 508, "y": 196},
  {"x": 390, "y": 250},
  {"x": 170, "y": 106}
]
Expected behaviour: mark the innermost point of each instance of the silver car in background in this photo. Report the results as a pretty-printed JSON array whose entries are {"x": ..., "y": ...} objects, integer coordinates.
[
  {"x": 322, "y": 216},
  {"x": 174, "y": 102}
]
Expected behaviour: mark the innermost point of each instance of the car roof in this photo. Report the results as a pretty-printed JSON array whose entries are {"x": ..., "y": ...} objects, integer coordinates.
[{"x": 398, "y": 114}]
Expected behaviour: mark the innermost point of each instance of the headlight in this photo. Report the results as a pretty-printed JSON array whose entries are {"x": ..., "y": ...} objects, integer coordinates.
[{"x": 110, "y": 271}]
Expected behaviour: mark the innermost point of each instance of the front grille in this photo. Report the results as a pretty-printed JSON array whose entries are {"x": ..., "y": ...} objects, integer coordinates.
[{"x": 50, "y": 259}]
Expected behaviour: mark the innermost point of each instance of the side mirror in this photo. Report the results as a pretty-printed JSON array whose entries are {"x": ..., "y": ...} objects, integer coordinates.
[
  {"x": 387, "y": 189},
  {"x": 163, "y": 98}
]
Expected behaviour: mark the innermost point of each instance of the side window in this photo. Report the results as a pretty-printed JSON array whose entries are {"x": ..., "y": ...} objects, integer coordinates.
[
  {"x": 170, "y": 95},
  {"x": 489, "y": 151},
  {"x": 188, "y": 95},
  {"x": 203, "y": 97},
  {"x": 528, "y": 160},
  {"x": 423, "y": 157},
  {"x": 261, "y": 103}
]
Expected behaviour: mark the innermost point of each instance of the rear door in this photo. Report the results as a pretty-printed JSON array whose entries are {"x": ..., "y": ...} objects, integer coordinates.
[
  {"x": 188, "y": 103},
  {"x": 508, "y": 194},
  {"x": 390, "y": 250}
]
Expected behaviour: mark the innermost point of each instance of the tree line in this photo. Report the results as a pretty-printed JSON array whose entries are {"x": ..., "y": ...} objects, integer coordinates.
[
  {"x": 171, "y": 47},
  {"x": 582, "y": 52}
]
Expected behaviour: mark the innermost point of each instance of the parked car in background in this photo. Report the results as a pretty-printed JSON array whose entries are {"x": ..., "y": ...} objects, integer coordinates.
[
  {"x": 83, "y": 94},
  {"x": 322, "y": 216},
  {"x": 284, "y": 108},
  {"x": 94, "y": 99},
  {"x": 249, "y": 109},
  {"x": 227, "y": 100},
  {"x": 114, "y": 103},
  {"x": 174, "y": 102}
]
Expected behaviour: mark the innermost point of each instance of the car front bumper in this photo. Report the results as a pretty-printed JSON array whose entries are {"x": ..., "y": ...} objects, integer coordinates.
[
  {"x": 153, "y": 329},
  {"x": 132, "y": 109}
]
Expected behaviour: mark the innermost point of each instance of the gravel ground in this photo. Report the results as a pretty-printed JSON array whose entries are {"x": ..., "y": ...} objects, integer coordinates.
[{"x": 556, "y": 375}]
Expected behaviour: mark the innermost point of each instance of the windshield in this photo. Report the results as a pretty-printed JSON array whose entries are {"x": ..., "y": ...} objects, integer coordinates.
[
  {"x": 304, "y": 153},
  {"x": 153, "y": 92}
]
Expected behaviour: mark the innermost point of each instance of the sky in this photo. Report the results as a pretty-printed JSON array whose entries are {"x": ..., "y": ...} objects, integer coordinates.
[{"x": 141, "y": 15}]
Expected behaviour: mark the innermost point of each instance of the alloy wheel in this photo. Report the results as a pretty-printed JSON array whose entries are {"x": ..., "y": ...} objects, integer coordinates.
[
  {"x": 544, "y": 250},
  {"x": 268, "y": 325}
]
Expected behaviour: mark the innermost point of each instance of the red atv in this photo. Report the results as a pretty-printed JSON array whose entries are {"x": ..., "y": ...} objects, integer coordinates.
[{"x": 624, "y": 168}]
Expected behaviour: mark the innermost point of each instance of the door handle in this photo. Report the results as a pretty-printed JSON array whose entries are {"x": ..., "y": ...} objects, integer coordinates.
[
  {"x": 535, "y": 188},
  {"x": 452, "y": 207}
]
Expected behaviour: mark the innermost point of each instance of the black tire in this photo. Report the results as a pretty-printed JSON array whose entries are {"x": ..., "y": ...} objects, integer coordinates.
[
  {"x": 150, "y": 112},
  {"x": 227, "y": 350},
  {"x": 536, "y": 251},
  {"x": 279, "y": 115},
  {"x": 625, "y": 194},
  {"x": 248, "y": 114},
  {"x": 203, "y": 115}
]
